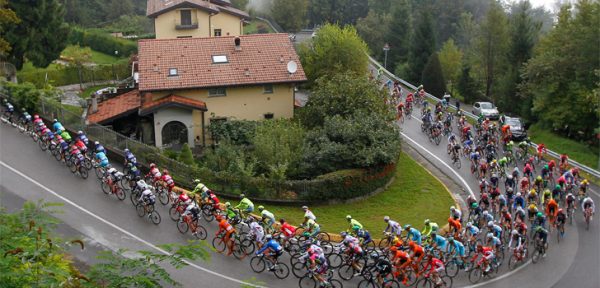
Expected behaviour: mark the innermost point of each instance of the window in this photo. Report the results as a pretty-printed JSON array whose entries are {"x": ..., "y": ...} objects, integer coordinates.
[
  {"x": 172, "y": 71},
  {"x": 268, "y": 89},
  {"x": 216, "y": 59},
  {"x": 217, "y": 32},
  {"x": 186, "y": 17},
  {"x": 268, "y": 115},
  {"x": 184, "y": 36},
  {"x": 219, "y": 91}
]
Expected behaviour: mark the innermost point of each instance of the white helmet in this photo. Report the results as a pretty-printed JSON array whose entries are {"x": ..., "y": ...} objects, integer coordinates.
[{"x": 490, "y": 224}]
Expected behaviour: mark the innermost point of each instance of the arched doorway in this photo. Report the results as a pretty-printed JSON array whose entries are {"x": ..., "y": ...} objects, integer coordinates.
[{"x": 174, "y": 134}]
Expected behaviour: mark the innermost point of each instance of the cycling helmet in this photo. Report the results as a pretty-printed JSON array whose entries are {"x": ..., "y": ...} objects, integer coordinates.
[
  {"x": 540, "y": 215},
  {"x": 450, "y": 239},
  {"x": 219, "y": 217},
  {"x": 261, "y": 208},
  {"x": 55, "y": 120},
  {"x": 281, "y": 220},
  {"x": 474, "y": 205},
  {"x": 546, "y": 167},
  {"x": 196, "y": 181},
  {"x": 355, "y": 228},
  {"x": 560, "y": 210},
  {"x": 433, "y": 234},
  {"x": 58, "y": 137},
  {"x": 304, "y": 207},
  {"x": 407, "y": 226},
  {"x": 485, "y": 213},
  {"x": 242, "y": 195},
  {"x": 348, "y": 217},
  {"x": 374, "y": 255},
  {"x": 452, "y": 208},
  {"x": 152, "y": 165},
  {"x": 490, "y": 223},
  {"x": 386, "y": 218},
  {"x": 125, "y": 150},
  {"x": 36, "y": 116},
  {"x": 539, "y": 178},
  {"x": 557, "y": 186},
  {"x": 469, "y": 224},
  {"x": 427, "y": 221},
  {"x": 227, "y": 204},
  {"x": 490, "y": 235},
  {"x": 81, "y": 132},
  {"x": 269, "y": 237},
  {"x": 96, "y": 143},
  {"x": 165, "y": 171},
  {"x": 510, "y": 177},
  {"x": 518, "y": 194}
]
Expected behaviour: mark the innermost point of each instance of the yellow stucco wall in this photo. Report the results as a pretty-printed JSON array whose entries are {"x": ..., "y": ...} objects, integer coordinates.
[
  {"x": 164, "y": 25},
  {"x": 242, "y": 103},
  {"x": 227, "y": 23}
]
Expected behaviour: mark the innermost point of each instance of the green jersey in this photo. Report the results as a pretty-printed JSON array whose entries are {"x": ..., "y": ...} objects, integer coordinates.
[
  {"x": 354, "y": 223},
  {"x": 245, "y": 204},
  {"x": 432, "y": 227}
]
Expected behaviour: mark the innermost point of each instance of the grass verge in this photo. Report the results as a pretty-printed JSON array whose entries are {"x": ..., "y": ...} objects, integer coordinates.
[
  {"x": 258, "y": 26},
  {"x": 577, "y": 151},
  {"x": 413, "y": 196}
]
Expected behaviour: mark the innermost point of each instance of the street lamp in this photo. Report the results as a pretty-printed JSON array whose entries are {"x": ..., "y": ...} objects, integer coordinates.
[{"x": 386, "y": 48}]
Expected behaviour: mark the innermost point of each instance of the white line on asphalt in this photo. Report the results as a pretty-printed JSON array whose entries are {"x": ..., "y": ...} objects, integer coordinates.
[
  {"x": 121, "y": 229},
  {"x": 499, "y": 278}
]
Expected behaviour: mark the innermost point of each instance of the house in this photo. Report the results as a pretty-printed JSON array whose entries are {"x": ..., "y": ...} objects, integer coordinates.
[
  {"x": 187, "y": 84},
  {"x": 195, "y": 18}
]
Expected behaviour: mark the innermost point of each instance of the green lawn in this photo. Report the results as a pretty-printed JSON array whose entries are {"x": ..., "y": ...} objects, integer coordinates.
[
  {"x": 88, "y": 91},
  {"x": 252, "y": 28},
  {"x": 577, "y": 151},
  {"x": 413, "y": 196}
]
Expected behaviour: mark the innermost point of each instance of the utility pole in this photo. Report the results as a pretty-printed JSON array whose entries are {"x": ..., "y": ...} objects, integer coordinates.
[{"x": 386, "y": 48}]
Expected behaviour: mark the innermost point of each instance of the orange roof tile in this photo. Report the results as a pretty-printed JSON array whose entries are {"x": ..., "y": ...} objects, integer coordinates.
[
  {"x": 262, "y": 59},
  {"x": 172, "y": 100},
  {"x": 116, "y": 106}
]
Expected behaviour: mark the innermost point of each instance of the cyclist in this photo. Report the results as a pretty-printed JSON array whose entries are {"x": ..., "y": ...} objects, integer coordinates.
[
  {"x": 352, "y": 223},
  {"x": 81, "y": 145},
  {"x": 509, "y": 182},
  {"x": 456, "y": 248},
  {"x": 561, "y": 219},
  {"x": 413, "y": 234},
  {"x": 487, "y": 216},
  {"x": 545, "y": 172},
  {"x": 455, "y": 226},
  {"x": 258, "y": 232},
  {"x": 245, "y": 206},
  {"x": 520, "y": 214},
  {"x": 392, "y": 225},
  {"x": 287, "y": 231},
  {"x": 275, "y": 250},
  {"x": 495, "y": 229},
  {"x": 226, "y": 228},
  {"x": 399, "y": 109},
  {"x": 588, "y": 203},
  {"x": 308, "y": 213},
  {"x": 58, "y": 128},
  {"x": 213, "y": 200},
  {"x": 542, "y": 234},
  {"x": 532, "y": 196},
  {"x": 494, "y": 242},
  {"x": 312, "y": 227},
  {"x": 267, "y": 217},
  {"x": 570, "y": 199},
  {"x": 471, "y": 231},
  {"x": 470, "y": 200},
  {"x": 429, "y": 227},
  {"x": 155, "y": 173},
  {"x": 552, "y": 210},
  {"x": 200, "y": 188},
  {"x": 401, "y": 260},
  {"x": 191, "y": 209},
  {"x": 147, "y": 197},
  {"x": 487, "y": 255},
  {"x": 129, "y": 157},
  {"x": 455, "y": 213},
  {"x": 517, "y": 238},
  {"x": 83, "y": 137},
  {"x": 564, "y": 162},
  {"x": 416, "y": 252},
  {"x": 140, "y": 186},
  {"x": 506, "y": 217},
  {"x": 540, "y": 220},
  {"x": 167, "y": 180},
  {"x": 583, "y": 186},
  {"x": 532, "y": 211},
  {"x": 435, "y": 267},
  {"x": 348, "y": 238},
  {"x": 318, "y": 262},
  {"x": 65, "y": 135},
  {"x": 551, "y": 165},
  {"x": 353, "y": 250},
  {"x": 230, "y": 213},
  {"x": 438, "y": 242},
  {"x": 524, "y": 183},
  {"x": 538, "y": 182},
  {"x": 183, "y": 199},
  {"x": 382, "y": 266},
  {"x": 519, "y": 201},
  {"x": 547, "y": 195},
  {"x": 363, "y": 235},
  {"x": 102, "y": 159},
  {"x": 99, "y": 148}
]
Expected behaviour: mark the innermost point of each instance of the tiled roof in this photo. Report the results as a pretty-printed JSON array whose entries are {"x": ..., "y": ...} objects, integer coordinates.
[
  {"x": 263, "y": 58},
  {"x": 114, "y": 107},
  {"x": 157, "y": 7},
  {"x": 172, "y": 100}
]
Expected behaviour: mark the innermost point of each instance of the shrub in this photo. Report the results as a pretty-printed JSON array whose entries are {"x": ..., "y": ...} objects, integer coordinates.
[
  {"x": 102, "y": 42},
  {"x": 278, "y": 144},
  {"x": 63, "y": 75},
  {"x": 186, "y": 155},
  {"x": 237, "y": 132}
]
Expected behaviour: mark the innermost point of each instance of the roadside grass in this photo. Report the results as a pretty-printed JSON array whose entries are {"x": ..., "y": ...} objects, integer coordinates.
[
  {"x": 88, "y": 91},
  {"x": 252, "y": 28},
  {"x": 577, "y": 151},
  {"x": 414, "y": 195},
  {"x": 73, "y": 109}
]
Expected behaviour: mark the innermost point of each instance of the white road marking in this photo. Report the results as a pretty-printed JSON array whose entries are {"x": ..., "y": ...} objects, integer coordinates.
[
  {"x": 500, "y": 277},
  {"x": 121, "y": 229}
]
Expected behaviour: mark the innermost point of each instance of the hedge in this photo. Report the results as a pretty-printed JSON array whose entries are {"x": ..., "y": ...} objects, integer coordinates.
[
  {"x": 102, "y": 42},
  {"x": 69, "y": 75}
]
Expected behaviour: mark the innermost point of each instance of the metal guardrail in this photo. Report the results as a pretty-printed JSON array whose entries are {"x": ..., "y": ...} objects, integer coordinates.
[{"x": 554, "y": 154}]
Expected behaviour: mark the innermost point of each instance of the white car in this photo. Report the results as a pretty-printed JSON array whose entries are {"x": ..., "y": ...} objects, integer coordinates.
[{"x": 487, "y": 109}]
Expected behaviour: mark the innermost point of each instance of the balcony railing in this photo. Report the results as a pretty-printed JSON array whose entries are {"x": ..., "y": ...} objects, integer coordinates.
[{"x": 186, "y": 27}]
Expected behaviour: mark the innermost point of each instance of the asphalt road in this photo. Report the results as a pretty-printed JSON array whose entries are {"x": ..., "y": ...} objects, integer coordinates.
[{"x": 27, "y": 173}]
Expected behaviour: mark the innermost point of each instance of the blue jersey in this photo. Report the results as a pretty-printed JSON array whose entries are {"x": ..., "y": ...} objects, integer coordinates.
[
  {"x": 364, "y": 235},
  {"x": 459, "y": 248},
  {"x": 440, "y": 241},
  {"x": 100, "y": 148},
  {"x": 273, "y": 245},
  {"x": 84, "y": 139},
  {"x": 519, "y": 201},
  {"x": 473, "y": 230},
  {"x": 58, "y": 127},
  {"x": 10, "y": 107},
  {"x": 130, "y": 158},
  {"x": 101, "y": 156}
]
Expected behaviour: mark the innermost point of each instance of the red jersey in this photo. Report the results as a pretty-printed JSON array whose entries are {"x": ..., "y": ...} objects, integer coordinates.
[
  {"x": 168, "y": 179},
  {"x": 287, "y": 229}
]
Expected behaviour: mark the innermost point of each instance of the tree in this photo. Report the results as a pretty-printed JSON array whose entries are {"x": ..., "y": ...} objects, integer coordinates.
[
  {"x": 40, "y": 36},
  {"x": 290, "y": 14},
  {"x": 25, "y": 95},
  {"x": 343, "y": 94},
  {"x": 492, "y": 46},
  {"x": 450, "y": 59},
  {"x": 116, "y": 8},
  {"x": 340, "y": 12},
  {"x": 278, "y": 147},
  {"x": 466, "y": 32},
  {"x": 7, "y": 16},
  {"x": 398, "y": 35},
  {"x": 372, "y": 29},
  {"x": 561, "y": 76},
  {"x": 467, "y": 86},
  {"x": 334, "y": 50},
  {"x": 186, "y": 155},
  {"x": 239, "y": 4},
  {"x": 433, "y": 77},
  {"x": 423, "y": 45}
]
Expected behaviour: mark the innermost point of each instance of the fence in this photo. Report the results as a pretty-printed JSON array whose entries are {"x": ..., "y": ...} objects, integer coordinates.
[
  {"x": 73, "y": 75},
  {"x": 554, "y": 154}
]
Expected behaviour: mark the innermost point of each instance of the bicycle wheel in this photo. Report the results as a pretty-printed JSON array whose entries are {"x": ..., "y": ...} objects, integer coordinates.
[
  {"x": 72, "y": 167},
  {"x": 334, "y": 283},
  {"x": 384, "y": 243},
  {"x": 536, "y": 256},
  {"x": 173, "y": 213},
  {"x": 218, "y": 244},
  {"x": 239, "y": 251},
  {"x": 139, "y": 208},
  {"x": 282, "y": 271},
  {"x": 134, "y": 196},
  {"x": 249, "y": 244},
  {"x": 411, "y": 277},
  {"x": 370, "y": 283},
  {"x": 155, "y": 217},
  {"x": 307, "y": 282},
  {"x": 163, "y": 196},
  {"x": 105, "y": 188},
  {"x": 120, "y": 193},
  {"x": 299, "y": 269},
  {"x": 475, "y": 275},
  {"x": 424, "y": 283},
  {"x": 182, "y": 226},
  {"x": 201, "y": 232},
  {"x": 446, "y": 282},
  {"x": 513, "y": 262},
  {"x": 346, "y": 272},
  {"x": 42, "y": 145},
  {"x": 257, "y": 264},
  {"x": 335, "y": 260},
  {"x": 99, "y": 172},
  {"x": 452, "y": 268},
  {"x": 323, "y": 237},
  {"x": 207, "y": 213}
]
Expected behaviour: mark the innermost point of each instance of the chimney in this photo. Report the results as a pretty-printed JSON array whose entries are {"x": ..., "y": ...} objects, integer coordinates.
[
  {"x": 238, "y": 42},
  {"x": 94, "y": 103}
]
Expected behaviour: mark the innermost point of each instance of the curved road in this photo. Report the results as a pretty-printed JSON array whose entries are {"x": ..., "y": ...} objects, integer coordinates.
[{"x": 28, "y": 173}]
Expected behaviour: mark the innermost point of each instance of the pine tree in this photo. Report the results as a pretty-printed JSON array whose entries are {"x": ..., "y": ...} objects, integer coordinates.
[
  {"x": 423, "y": 45},
  {"x": 492, "y": 46},
  {"x": 40, "y": 36},
  {"x": 433, "y": 77},
  {"x": 466, "y": 84},
  {"x": 186, "y": 155},
  {"x": 398, "y": 35}
]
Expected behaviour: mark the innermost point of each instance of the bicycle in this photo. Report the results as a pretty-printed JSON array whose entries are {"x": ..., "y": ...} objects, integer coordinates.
[
  {"x": 441, "y": 281},
  {"x": 176, "y": 211},
  {"x": 539, "y": 251},
  {"x": 518, "y": 256},
  {"x": 76, "y": 167},
  {"x": 258, "y": 265},
  {"x": 142, "y": 208},
  {"x": 588, "y": 217},
  {"x": 479, "y": 272},
  {"x": 374, "y": 281},
  {"x": 187, "y": 223},
  {"x": 219, "y": 244},
  {"x": 456, "y": 159},
  {"x": 309, "y": 280}
]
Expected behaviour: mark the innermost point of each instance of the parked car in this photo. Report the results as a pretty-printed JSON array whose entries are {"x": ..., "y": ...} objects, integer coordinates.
[
  {"x": 517, "y": 128},
  {"x": 487, "y": 109}
]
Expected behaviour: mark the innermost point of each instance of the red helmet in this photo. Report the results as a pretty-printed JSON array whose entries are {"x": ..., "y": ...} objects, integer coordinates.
[{"x": 165, "y": 171}]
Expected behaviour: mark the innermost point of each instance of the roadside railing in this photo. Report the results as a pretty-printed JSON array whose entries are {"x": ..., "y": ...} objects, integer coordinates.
[{"x": 554, "y": 154}]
